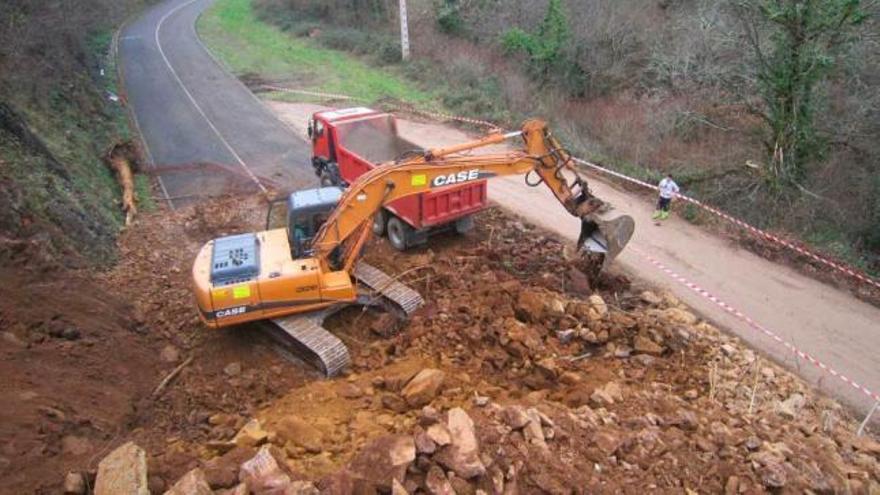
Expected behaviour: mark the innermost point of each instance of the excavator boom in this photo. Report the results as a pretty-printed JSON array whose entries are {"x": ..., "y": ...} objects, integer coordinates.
[{"x": 296, "y": 276}]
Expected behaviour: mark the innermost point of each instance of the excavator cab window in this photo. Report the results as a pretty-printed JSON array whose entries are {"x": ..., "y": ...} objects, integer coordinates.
[{"x": 307, "y": 210}]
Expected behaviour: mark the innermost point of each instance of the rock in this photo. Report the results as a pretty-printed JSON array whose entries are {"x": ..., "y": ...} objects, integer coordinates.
[
  {"x": 515, "y": 417},
  {"x": 386, "y": 325},
  {"x": 481, "y": 400},
  {"x": 222, "y": 471},
  {"x": 622, "y": 351},
  {"x": 566, "y": 336},
  {"x": 607, "y": 395},
  {"x": 424, "y": 444},
  {"x": 460, "y": 486},
  {"x": 169, "y": 354},
  {"x": 428, "y": 416},
  {"x": 680, "y": 316},
  {"x": 13, "y": 339},
  {"x": 423, "y": 387},
  {"x": 192, "y": 483},
  {"x": 642, "y": 344},
  {"x": 350, "y": 391},
  {"x": 728, "y": 350},
  {"x": 462, "y": 455},
  {"x": 645, "y": 360},
  {"x": 649, "y": 297},
  {"x": 71, "y": 333},
  {"x": 232, "y": 369},
  {"x": 439, "y": 434},
  {"x": 74, "y": 484},
  {"x": 598, "y": 305},
  {"x": 555, "y": 307},
  {"x": 731, "y": 487},
  {"x": 75, "y": 446},
  {"x": 123, "y": 471},
  {"x": 394, "y": 403},
  {"x": 607, "y": 441},
  {"x": 753, "y": 443},
  {"x": 773, "y": 475},
  {"x": 548, "y": 368},
  {"x": 302, "y": 488},
  {"x": 240, "y": 489},
  {"x": 570, "y": 378},
  {"x": 790, "y": 407},
  {"x": 264, "y": 473},
  {"x": 384, "y": 459},
  {"x": 397, "y": 488},
  {"x": 251, "y": 434},
  {"x": 436, "y": 482},
  {"x": 296, "y": 430},
  {"x": 530, "y": 305},
  {"x": 533, "y": 432},
  {"x": 691, "y": 394}
]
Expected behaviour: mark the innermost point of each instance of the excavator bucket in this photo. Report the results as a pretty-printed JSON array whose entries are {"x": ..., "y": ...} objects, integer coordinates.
[{"x": 605, "y": 236}]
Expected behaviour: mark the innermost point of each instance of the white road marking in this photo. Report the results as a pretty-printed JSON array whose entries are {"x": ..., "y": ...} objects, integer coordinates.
[{"x": 193, "y": 100}]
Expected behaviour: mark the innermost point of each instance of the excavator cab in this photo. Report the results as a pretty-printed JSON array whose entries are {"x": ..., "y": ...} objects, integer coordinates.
[{"x": 307, "y": 210}]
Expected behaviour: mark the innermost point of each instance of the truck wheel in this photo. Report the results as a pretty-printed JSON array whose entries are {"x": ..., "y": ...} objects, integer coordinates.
[
  {"x": 379, "y": 220},
  {"x": 464, "y": 225},
  {"x": 398, "y": 233}
]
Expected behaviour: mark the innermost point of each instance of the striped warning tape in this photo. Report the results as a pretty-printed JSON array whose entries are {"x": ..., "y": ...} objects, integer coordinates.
[
  {"x": 754, "y": 230},
  {"x": 752, "y": 323},
  {"x": 840, "y": 267}
]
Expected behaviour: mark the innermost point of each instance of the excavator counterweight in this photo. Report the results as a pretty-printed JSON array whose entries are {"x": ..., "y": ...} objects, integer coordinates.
[{"x": 311, "y": 266}]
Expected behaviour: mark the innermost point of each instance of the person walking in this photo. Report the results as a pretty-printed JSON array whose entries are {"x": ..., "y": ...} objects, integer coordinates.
[{"x": 668, "y": 190}]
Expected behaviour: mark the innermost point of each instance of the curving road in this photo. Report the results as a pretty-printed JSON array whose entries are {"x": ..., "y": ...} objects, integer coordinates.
[{"x": 204, "y": 131}]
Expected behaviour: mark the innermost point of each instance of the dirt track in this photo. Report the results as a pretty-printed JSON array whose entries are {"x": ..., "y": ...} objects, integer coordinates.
[{"x": 828, "y": 323}]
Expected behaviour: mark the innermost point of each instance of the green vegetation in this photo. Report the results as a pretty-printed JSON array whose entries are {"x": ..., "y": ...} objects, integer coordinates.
[
  {"x": 806, "y": 39},
  {"x": 233, "y": 32},
  {"x": 546, "y": 48}
]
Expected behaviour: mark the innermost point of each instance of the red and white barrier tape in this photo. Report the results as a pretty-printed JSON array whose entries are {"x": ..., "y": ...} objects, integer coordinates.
[
  {"x": 752, "y": 323},
  {"x": 754, "y": 230},
  {"x": 851, "y": 272}
]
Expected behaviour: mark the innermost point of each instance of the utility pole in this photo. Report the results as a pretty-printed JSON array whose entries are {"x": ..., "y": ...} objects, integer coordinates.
[{"x": 404, "y": 32}]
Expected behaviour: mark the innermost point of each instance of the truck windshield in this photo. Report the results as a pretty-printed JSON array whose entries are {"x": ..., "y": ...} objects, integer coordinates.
[{"x": 373, "y": 139}]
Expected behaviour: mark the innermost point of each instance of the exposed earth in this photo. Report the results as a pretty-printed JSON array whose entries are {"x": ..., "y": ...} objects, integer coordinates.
[{"x": 572, "y": 385}]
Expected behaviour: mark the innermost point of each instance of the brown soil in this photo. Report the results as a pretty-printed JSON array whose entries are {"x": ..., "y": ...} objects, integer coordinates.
[{"x": 80, "y": 375}]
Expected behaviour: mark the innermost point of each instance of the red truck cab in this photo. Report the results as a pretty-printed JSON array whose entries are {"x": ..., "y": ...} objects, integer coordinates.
[{"x": 348, "y": 142}]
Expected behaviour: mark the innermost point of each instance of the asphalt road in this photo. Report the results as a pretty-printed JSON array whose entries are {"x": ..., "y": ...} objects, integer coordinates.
[{"x": 204, "y": 131}]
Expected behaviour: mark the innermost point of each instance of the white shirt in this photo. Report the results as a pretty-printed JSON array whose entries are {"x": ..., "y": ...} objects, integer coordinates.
[{"x": 668, "y": 188}]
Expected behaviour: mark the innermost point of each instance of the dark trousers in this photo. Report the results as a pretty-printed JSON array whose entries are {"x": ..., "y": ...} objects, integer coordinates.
[{"x": 663, "y": 204}]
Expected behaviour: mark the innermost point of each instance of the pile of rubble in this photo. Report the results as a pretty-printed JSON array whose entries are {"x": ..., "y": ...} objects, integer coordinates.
[{"x": 520, "y": 377}]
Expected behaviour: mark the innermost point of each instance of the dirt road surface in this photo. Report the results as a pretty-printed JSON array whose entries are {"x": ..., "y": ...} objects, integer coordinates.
[
  {"x": 821, "y": 320},
  {"x": 191, "y": 111}
]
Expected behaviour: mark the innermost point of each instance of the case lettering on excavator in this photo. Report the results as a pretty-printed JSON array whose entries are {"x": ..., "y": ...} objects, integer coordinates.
[
  {"x": 463, "y": 176},
  {"x": 223, "y": 313}
]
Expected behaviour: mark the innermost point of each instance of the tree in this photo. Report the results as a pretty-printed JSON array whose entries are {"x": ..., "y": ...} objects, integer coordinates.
[
  {"x": 546, "y": 47},
  {"x": 806, "y": 38}
]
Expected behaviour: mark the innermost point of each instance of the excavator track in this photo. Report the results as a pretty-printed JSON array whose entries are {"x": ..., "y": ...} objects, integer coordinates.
[
  {"x": 313, "y": 341},
  {"x": 399, "y": 294},
  {"x": 316, "y": 344}
]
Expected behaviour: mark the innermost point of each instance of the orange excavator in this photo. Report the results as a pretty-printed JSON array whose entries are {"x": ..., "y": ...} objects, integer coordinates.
[{"x": 293, "y": 277}]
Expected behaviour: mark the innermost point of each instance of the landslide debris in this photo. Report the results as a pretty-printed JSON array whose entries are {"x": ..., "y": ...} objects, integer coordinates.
[{"x": 512, "y": 380}]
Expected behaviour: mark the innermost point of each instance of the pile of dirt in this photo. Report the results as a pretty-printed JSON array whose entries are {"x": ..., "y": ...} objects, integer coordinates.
[
  {"x": 519, "y": 377},
  {"x": 520, "y": 374}
]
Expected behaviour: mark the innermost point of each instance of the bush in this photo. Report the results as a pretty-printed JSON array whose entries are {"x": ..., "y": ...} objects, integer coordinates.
[{"x": 449, "y": 18}]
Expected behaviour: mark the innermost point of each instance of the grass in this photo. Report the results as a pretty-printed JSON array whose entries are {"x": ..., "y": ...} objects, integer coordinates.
[{"x": 231, "y": 29}]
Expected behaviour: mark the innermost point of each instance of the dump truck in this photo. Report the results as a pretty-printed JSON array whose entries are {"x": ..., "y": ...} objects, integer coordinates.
[
  {"x": 349, "y": 142},
  {"x": 294, "y": 277}
]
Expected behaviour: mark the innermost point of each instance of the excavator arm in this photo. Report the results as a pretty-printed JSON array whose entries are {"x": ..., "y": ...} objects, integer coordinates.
[{"x": 542, "y": 158}]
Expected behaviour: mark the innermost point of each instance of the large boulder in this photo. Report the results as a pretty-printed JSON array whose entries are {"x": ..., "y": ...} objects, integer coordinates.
[
  {"x": 462, "y": 455},
  {"x": 383, "y": 460},
  {"x": 423, "y": 387},
  {"x": 123, "y": 471},
  {"x": 192, "y": 483},
  {"x": 530, "y": 305}
]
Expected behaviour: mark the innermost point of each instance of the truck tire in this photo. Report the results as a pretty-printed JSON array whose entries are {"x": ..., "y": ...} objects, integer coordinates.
[
  {"x": 398, "y": 233},
  {"x": 379, "y": 221},
  {"x": 464, "y": 225}
]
